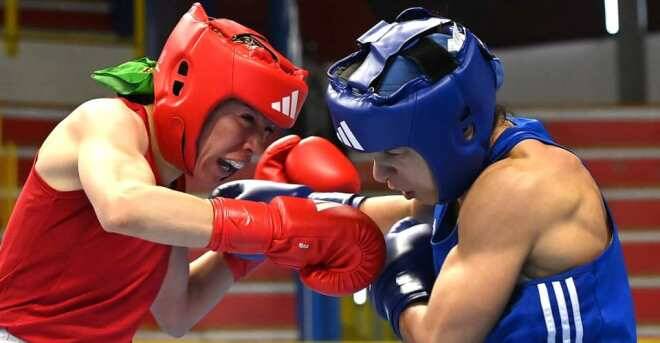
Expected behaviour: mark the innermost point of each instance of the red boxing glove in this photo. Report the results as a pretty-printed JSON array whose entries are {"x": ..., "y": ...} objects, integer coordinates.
[
  {"x": 337, "y": 249},
  {"x": 313, "y": 161},
  {"x": 271, "y": 164}
]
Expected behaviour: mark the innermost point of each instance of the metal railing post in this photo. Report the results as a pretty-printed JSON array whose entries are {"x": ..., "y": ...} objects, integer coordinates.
[
  {"x": 139, "y": 18},
  {"x": 11, "y": 27}
]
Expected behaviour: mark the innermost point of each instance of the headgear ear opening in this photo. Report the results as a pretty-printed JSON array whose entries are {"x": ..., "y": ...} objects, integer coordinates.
[
  {"x": 183, "y": 68},
  {"x": 177, "y": 87}
]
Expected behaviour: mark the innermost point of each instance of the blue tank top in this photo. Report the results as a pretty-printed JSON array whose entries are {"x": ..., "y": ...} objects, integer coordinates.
[{"x": 588, "y": 303}]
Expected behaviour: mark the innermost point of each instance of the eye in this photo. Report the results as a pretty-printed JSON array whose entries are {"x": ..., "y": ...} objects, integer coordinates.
[
  {"x": 394, "y": 152},
  {"x": 248, "y": 118},
  {"x": 269, "y": 130}
]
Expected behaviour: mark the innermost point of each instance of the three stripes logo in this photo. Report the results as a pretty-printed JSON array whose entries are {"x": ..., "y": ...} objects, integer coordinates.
[
  {"x": 288, "y": 105},
  {"x": 562, "y": 298},
  {"x": 347, "y": 137}
]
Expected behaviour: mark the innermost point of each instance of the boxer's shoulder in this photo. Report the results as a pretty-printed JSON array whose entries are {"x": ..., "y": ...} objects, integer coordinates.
[
  {"x": 95, "y": 119},
  {"x": 535, "y": 176},
  {"x": 526, "y": 193},
  {"x": 110, "y": 120},
  {"x": 104, "y": 112},
  {"x": 544, "y": 197},
  {"x": 501, "y": 205}
]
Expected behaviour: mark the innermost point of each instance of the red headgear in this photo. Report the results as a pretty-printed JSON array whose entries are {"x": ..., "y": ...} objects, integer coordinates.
[{"x": 206, "y": 61}]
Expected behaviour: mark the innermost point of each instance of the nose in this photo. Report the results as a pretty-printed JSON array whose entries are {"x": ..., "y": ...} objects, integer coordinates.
[
  {"x": 256, "y": 143},
  {"x": 381, "y": 170}
]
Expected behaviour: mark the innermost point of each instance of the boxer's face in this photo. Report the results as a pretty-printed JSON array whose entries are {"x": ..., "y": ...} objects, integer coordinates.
[
  {"x": 404, "y": 170},
  {"x": 233, "y": 133}
]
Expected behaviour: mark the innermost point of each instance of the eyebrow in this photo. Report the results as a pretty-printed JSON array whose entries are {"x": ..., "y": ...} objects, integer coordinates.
[{"x": 267, "y": 122}]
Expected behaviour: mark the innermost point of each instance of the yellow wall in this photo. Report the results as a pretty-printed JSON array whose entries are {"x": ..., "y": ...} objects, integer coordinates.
[{"x": 8, "y": 179}]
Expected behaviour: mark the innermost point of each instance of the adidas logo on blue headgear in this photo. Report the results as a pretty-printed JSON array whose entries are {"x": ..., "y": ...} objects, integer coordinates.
[{"x": 420, "y": 82}]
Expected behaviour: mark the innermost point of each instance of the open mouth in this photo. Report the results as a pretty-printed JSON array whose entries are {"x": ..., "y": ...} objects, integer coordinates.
[{"x": 229, "y": 167}]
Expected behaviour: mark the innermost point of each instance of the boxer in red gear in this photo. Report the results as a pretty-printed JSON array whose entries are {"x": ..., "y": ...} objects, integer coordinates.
[{"x": 97, "y": 238}]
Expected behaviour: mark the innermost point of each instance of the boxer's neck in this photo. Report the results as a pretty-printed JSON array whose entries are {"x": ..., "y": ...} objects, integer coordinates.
[
  {"x": 168, "y": 173},
  {"x": 501, "y": 125}
]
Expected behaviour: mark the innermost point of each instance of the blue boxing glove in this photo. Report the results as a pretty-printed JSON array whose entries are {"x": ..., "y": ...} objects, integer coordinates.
[
  {"x": 259, "y": 190},
  {"x": 408, "y": 275},
  {"x": 265, "y": 191}
]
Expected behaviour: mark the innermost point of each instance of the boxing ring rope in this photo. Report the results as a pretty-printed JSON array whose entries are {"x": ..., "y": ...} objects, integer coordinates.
[
  {"x": 11, "y": 27},
  {"x": 8, "y": 179},
  {"x": 139, "y": 19}
]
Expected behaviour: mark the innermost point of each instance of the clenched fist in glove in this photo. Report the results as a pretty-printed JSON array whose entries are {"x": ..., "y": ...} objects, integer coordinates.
[
  {"x": 313, "y": 161},
  {"x": 409, "y": 275},
  {"x": 337, "y": 249}
]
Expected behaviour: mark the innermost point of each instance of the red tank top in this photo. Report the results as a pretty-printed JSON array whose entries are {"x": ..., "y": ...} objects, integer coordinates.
[{"x": 64, "y": 279}]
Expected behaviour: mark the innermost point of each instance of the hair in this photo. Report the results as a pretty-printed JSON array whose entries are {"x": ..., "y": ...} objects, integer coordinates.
[{"x": 499, "y": 115}]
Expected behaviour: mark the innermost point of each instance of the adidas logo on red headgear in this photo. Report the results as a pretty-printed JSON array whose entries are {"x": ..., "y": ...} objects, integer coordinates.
[{"x": 288, "y": 105}]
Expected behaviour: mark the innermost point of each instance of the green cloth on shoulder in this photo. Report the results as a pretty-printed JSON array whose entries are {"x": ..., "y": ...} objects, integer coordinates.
[{"x": 131, "y": 78}]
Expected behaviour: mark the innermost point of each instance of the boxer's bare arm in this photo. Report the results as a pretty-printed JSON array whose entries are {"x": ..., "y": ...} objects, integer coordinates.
[
  {"x": 121, "y": 187},
  {"x": 190, "y": 291},
  {"x": 497, "y": 231},
  {"x": 387, "y": 210}
]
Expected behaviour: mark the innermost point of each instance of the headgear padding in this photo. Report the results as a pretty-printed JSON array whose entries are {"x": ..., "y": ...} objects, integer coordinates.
[
  {"x": 422, "y": 82},
  {"x": 206, "y": 61}
]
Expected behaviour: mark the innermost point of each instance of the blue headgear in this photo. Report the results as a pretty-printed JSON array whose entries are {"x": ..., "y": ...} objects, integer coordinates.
[{"x": 422, "y": 82}]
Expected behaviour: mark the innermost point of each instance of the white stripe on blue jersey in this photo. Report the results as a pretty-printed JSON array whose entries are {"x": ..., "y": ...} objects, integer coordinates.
[
  {"x": 562, "y": 309},
  {"x": 575, "y": 304},
  {"x": 563, "y": 313},
  {"x": 547, "y": 312}
]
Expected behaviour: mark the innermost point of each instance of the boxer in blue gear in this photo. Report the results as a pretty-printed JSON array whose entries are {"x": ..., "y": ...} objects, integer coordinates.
[{"x": 524, "y": 248}]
